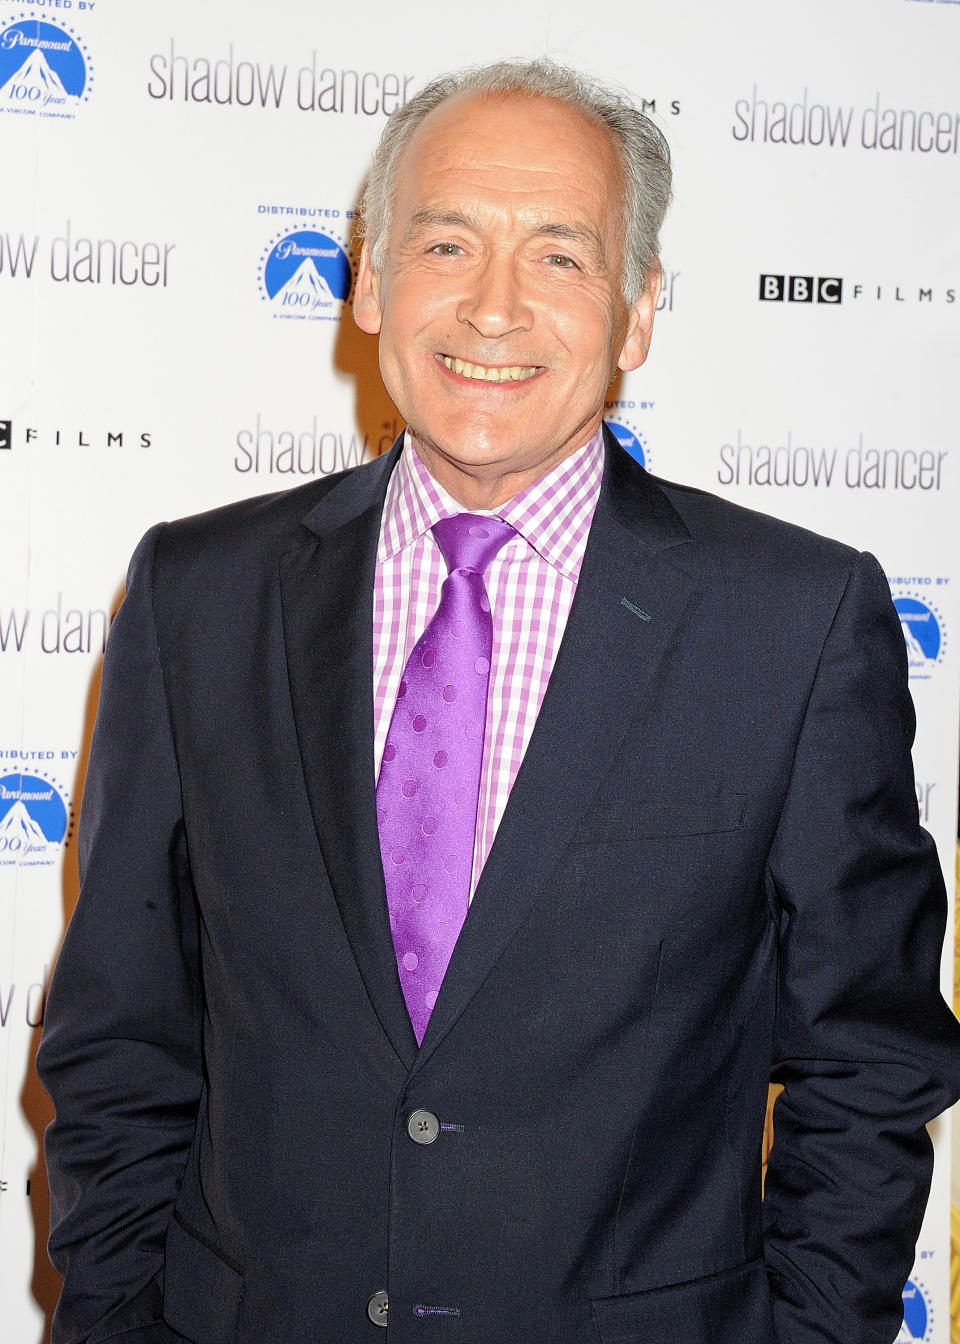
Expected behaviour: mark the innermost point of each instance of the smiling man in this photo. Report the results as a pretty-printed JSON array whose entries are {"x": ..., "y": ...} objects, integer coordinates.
[
  {"x": 499, "y": 297},
  {"x": 455, "y": 876}
]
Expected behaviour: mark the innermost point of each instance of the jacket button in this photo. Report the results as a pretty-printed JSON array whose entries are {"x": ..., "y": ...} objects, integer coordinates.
[
  {"x": 423, "y": 1126},
  {"x": 377, "y": 1306}
]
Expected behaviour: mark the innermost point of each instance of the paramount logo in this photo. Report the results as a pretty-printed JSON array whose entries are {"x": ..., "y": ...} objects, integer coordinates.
[
  {"x": 35, "y": 820},
  {"x": 26, "y": 795},
  {"x": 44, "y": 69},
  {"x": 305, "y": 274}
]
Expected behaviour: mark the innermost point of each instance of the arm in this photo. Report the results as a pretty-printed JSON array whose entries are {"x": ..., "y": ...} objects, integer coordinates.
[
  {"x": 864, "y": 1045},
  {"x": 120, "y": 1054}
]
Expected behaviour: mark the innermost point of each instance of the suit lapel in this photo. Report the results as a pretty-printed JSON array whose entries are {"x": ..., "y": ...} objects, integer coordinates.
[
  {"x": 629, "y": 598},
  {"x": 327, "y": 594}
]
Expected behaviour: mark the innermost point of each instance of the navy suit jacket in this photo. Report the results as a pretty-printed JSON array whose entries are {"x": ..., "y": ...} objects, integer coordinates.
[{"x": 710, "y": 873}]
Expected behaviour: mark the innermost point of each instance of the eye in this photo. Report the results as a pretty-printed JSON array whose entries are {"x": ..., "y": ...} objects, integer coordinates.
[
  {"x": 561, "y": 262},
  {"x": 446, "y": 249}
]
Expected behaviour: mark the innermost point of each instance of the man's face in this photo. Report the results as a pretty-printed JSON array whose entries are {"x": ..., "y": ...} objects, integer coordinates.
[{"x": 499, "y": 306}]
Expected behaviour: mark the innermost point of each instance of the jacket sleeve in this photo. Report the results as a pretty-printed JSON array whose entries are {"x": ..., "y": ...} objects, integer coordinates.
[
  {"x": 864, "y": 1045},
  {"x": 120, "y": 1054}
]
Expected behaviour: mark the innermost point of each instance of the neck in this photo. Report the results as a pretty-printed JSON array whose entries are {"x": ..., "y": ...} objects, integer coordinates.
[{"x": 486, "y": 487}]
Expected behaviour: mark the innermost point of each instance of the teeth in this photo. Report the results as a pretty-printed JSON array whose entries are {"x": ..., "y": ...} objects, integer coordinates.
[{"x": 509, "y": 373}]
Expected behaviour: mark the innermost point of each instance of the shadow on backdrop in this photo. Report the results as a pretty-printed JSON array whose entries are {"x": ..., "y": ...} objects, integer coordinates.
[
  {"x": 355, "y": 356},
  {"x": 34, "y": 1103}
]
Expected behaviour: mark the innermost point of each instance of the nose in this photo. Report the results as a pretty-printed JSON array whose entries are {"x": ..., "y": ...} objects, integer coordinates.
[{"x": 494, "y": 303}]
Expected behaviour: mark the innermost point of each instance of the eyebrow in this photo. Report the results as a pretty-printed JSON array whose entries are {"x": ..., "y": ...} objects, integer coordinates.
[
  {"x": 571, "y": 233},
  {"x": 428, "y": 218}
]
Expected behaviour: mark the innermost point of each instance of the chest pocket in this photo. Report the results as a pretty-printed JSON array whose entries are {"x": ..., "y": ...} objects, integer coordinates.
[{"x": 651, "y": 817}]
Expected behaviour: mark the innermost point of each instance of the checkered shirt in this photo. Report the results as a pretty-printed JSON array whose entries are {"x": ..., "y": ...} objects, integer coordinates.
[{"x": 530, "y": 584}]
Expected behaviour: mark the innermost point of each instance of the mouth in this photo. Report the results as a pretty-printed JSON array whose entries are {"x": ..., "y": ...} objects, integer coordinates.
[{"x": 490, "y": 373}]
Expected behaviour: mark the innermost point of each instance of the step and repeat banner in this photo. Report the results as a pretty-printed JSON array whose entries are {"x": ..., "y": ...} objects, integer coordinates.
[{"x": 176, "y": 263}]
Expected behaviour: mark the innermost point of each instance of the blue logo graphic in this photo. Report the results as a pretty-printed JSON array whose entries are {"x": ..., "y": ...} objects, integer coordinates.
[
  {"x": 924, "y": 632},
  {"x": 917, "y": 1314},
  {"x": 45, "y": 69},
  {"x": 629, "y": 438},
  {"x": 35, "y": 820},
  {"x": 305, "y": 275}
]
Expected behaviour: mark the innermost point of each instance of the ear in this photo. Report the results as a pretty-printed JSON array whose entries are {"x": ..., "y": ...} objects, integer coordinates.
[
  {"x": 636, "y": 344},
  {"x": 367, "y": 312}
]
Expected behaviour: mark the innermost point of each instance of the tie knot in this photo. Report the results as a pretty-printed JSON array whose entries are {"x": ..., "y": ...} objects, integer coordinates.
[{"x": 471, "y": 540}]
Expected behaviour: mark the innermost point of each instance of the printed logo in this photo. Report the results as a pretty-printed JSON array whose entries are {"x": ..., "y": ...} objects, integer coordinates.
[
  {"x": 917, "y": 1325},
  {"x": 305, "y": 275},
  {"x": 649, "y": 105},
  {"x": 829, "y": 289},
  {"x": 49, "y": 436},
  {"x": 35, "y": 820},
  {"x": 76, "y": 259},
  {"x": 788, "y": 461},
  {"x": 313, "y": 451},
  {"x": 632, "y": 440},
  {"x": 801, "y": 288},
  {"x": 232, "y": 76},
  {"x": 668, "y": 291},
  {"x": 924, "y": 632},
  {"x": 876, "y": 126},
  {"x": 58, "y": 628},
  {"x": 924, "y": 789},
  {"x": 45, "y": 69}
]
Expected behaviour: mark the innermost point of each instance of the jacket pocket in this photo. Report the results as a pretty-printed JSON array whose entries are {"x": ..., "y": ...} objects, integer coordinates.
[
  {"x": 201, "y": 1291},
  {"x": 732, "y": 1306},
  {"x": 646, "y": 818}
]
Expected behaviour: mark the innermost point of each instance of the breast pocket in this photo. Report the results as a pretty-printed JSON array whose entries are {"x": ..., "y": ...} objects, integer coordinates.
[{"x": 647, "y": 818}]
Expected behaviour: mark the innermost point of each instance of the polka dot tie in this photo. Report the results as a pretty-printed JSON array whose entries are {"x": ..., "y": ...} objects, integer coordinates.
[{"x": 429, "y": 784}]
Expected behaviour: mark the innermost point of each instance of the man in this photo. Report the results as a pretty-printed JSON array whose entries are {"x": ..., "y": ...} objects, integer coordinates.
[{"x": 302, "y": 1090}]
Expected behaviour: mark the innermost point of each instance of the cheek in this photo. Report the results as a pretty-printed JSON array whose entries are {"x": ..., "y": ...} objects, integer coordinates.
[
  {"x": 585, "y": 327},
  {"x": 415, "y": 304}
]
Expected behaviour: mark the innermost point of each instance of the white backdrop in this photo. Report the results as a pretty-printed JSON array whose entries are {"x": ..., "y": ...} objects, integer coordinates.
[{"x": 164, "y": 348}]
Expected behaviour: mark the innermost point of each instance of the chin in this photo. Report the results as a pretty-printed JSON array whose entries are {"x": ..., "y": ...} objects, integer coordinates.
[{"x": 475, "y": 444}]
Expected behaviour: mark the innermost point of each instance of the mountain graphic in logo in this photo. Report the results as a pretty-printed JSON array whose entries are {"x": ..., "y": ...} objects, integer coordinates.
[
  {"x": 33, "y": 820},
  {"x": 306, "y": 288},
  {"x": 37, "y": 74},
  {"x": 19, "y": 826},
  {"x": 915, "y": 654}
]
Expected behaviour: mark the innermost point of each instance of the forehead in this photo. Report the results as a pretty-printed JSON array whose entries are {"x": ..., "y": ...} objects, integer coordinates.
[{"x": 513, "y": 151}]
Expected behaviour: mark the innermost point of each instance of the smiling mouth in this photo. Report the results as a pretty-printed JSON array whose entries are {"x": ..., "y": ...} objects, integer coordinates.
[{"x": 489, "y": 373}]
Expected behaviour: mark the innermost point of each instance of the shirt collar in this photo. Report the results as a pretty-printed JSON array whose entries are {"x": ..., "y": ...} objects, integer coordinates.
[{"x": 553, "y": 515}]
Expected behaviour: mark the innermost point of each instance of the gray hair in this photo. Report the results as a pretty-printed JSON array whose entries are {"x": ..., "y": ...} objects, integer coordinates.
[{"x": 643, "y": 151}]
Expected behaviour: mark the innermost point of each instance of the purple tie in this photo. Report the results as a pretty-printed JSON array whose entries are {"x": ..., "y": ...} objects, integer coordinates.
[{"x": 429, "y": 784}]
